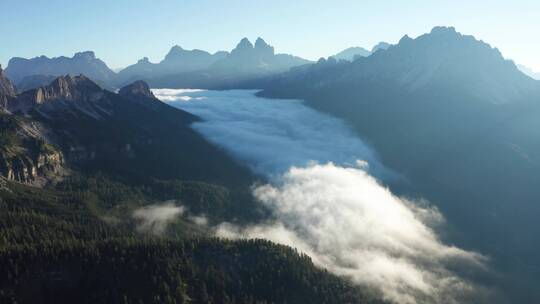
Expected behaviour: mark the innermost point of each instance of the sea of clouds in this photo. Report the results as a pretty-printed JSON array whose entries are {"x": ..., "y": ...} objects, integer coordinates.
[{"x": 328, "y": 200}]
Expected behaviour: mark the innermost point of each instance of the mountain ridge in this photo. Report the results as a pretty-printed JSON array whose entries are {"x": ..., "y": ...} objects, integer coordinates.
[
  {"x": 458, "y": 120},
  {"x": 81, "y": 63}
]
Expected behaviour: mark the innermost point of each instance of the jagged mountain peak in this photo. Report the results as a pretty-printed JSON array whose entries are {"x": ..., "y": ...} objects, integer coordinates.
[
  {"x": 175, "y": 50},
  {"x": 68, "y": 84},
  {"x": 263, "y": 48},
  {"x": 260, "y": 43},
  {"x": 244, "y": 43},
  {"x": 243, "y": 47},
  {"x": 58, "y": 94}
]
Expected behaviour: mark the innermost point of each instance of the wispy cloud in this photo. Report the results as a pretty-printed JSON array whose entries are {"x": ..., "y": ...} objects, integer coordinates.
[
  {"x": 155, "y": 218},
  {"x": 351, "y": 225}
]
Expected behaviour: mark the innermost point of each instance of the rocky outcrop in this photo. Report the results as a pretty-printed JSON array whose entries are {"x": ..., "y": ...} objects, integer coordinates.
[
  {"x": 6, "y": 87},
  {"x": 7, "y": 91},
  {"x": 25, "y": 155},
  {"x": 26, "y": 169},
  {"x": 78, "y": 90}
]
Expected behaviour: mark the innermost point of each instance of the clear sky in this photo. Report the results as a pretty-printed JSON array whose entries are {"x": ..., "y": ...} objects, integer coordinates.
[{"x": 123, "y": 31}]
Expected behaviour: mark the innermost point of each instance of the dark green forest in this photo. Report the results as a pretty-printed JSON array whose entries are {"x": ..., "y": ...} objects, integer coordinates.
[{"x": 58, "y": 246}]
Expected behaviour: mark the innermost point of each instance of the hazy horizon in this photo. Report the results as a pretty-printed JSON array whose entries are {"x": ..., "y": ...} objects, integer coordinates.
[{"x": 126, "y": 31}]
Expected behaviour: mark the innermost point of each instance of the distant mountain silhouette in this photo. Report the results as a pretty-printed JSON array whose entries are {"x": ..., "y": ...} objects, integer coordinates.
[
  {"x": 176, "y": 61},
  {"x": 81, "y": 63},
  {"x": 459, "y": 122},
  {"x": 199, "y": 69},
  {"x": 351, "y": 53},
  {"x": 255, "y": 59},
  {"x": 179, "y": 68}
]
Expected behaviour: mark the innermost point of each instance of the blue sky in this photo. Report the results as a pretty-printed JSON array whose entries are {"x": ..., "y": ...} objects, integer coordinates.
[{"x": 122, "y": 31}]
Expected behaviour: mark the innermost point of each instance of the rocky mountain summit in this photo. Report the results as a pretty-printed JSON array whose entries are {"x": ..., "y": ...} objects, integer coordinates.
[
  {"x": 81, "y": 63},
  {"x": 25, "y": 156},
  {"x": 255, "y": 59},
  {"x": 78, "y": 91}
]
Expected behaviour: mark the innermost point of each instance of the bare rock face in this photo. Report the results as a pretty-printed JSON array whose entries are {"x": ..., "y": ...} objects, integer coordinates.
[
  {"x": 25, "y": 156},
  {"x": 25, "y": 169},
  {"x": 6, "y": 87},
  {"x": 78, "y": 90},
  {"x": 7, "y": 90}
]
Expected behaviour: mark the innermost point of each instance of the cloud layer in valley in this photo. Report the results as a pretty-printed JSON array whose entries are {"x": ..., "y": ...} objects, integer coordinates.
[
  {"x": 270, "y": 136},
  {"x": 327, "y": 204}
]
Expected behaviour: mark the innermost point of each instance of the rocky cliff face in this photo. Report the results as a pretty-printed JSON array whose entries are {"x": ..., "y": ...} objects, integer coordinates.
[
  {"x": 25, "y": 156},
  {"x": 34, "y": 170},
  {"x": 7, "y": 90},
  {"x": 75, "y": 90},
  {"x": 73, "y": 123},
  {"x": 6, "y": 87}
]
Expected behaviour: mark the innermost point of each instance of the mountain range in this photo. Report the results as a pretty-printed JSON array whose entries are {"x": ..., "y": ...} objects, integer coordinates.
[
  {"x": 81, "y": 63},
  {"x": 458, "y": 121},
  {"x": 180, "y": 68}
]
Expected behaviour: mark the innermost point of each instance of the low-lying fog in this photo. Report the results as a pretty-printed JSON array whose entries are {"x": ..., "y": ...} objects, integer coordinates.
[{"x": 328, "y": 200}]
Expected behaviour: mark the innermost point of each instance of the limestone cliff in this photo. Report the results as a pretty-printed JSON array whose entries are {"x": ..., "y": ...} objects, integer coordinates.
[{"x": 25, "y": 156}]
